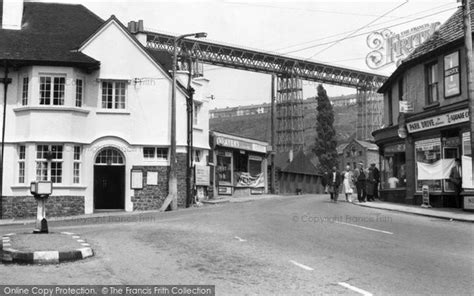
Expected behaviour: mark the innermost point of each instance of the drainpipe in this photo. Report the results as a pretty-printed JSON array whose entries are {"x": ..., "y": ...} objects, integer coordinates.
[{"x": 5, "y": 82}]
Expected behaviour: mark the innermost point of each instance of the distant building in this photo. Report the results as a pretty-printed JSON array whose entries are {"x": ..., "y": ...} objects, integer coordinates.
[{"x": 357, "y": 151}]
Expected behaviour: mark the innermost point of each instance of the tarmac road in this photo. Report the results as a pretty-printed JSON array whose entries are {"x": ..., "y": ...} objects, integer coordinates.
[{"x": 301, "y": 245}]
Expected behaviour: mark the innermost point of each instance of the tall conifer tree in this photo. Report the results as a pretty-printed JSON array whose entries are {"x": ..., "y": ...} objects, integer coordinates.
[{"x": 325, "y": 143}]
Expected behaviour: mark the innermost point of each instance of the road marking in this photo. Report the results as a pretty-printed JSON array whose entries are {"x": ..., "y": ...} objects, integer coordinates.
[
  {"x": 355, "y": 289},
  {"x": 302, "y": 265},
  {"x": 367, "y": 228},
  {"x": 240, "y": 239}
]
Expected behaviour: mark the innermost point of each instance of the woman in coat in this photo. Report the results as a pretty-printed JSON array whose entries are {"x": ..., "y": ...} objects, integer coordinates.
[{"x": 347, "y": 183}]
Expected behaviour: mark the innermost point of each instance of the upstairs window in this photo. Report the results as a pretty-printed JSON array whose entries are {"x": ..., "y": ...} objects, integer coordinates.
[
  {"x": 452, "y": 84},
  {"x": 52, "y": 90},
  {"x": 24, "y": 91},
  {"x": 432, "y": 82},
  {"x": 401, "y": 94},
  {"x": 113, "y": 94},
  {"x": 79, "y": 92},
  {"x": 197, "y": 109}
]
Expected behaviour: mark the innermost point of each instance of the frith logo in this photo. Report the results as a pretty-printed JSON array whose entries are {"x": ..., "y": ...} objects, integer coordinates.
[{"x": 388, "y": 47}]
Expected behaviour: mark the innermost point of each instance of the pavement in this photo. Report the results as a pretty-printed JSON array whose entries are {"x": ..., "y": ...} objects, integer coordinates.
[{"x": 289, "y": 245}]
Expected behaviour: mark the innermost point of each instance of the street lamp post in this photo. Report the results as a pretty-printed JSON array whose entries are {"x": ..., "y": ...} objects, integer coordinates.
[{"x": 173, "y": 180}]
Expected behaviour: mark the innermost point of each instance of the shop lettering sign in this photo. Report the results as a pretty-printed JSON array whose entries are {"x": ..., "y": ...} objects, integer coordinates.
[
  {"x": 395, "y": 148},
  {"x": 438, "y": 121},
  {"x": 238, "y": 144}
]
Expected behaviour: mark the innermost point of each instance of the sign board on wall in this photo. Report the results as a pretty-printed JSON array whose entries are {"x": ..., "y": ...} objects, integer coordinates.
[
  {"x": 152, "y": 178},
  {"x": 136, "y": 179},
  {"x": 202, "y": 175},
  {"x": 438, "y": 121},
  {"x": 239, "y": 144}
]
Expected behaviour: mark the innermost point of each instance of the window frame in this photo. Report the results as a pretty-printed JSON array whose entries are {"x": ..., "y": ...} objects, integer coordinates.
[
  {"x": 196, "y": 111},
  {"x": 157, "y": 154},
  {"x": 114, "y": 102},
  {"x": 58, "y": 163},
  {"x": 21, "y": 164},
  {"x": 52, "y": 90},
  {"x": 79, "y": 100},
  {"x": 25, "y": 90},
  {"x": 76, "y": 164},
  {"x": 429, "y": 84}
]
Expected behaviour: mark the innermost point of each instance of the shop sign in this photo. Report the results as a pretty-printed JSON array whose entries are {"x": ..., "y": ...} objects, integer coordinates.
[
  {"x": 427, "y": 145},
  {"x": 202, "y": 175},
  {"x": 439, "y": 121},
  {"x": 255, "y": 157},
  {"x": 223, "y": 190},
  {"x": 395, "y": 148},
  {"x": 238, "y": 144}
]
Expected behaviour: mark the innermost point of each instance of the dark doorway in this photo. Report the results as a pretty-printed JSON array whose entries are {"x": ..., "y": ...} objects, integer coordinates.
[{"x": 109, "y": 187}]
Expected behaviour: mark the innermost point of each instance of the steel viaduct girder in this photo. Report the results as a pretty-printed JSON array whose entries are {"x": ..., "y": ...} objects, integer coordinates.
[{"x": 264, "y": 62}]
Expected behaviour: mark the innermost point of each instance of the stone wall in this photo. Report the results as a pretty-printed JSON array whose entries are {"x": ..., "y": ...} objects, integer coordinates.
[
  {"x": 26, "y": 206},
  {"x": 151, "y": 197}
]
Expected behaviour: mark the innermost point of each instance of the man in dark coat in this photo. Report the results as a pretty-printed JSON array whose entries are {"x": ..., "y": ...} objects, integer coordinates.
[
  {"x": 334, "y": 181},
  {"x": 360, "y": 177},
  {"x": 376, "y": 173}
]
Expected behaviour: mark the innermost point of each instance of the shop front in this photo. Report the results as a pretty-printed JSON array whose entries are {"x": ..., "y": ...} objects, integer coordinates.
[
  {"x": 240, "y": 165},
  {"x": 425, "y": 157}
]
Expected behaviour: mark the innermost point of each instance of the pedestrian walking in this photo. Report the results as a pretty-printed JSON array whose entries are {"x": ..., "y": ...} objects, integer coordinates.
[
  {"x": 455, "y": 177},
  {"x": 360, "y": 177},
  {"x": 377, "y": 181},
  {"x": 347, "y": 183},
  {"x": 324, "y": 182},
  {"x": 333, "y": 182},
  {"x": 370, "y": 185}
]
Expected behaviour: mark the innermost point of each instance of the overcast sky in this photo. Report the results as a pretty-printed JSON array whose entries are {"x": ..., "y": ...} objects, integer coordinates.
[{"x": 305, "y": 29}]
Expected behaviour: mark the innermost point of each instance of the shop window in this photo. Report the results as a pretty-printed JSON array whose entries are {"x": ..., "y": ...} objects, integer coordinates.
[
  {"x": 24, "y": 91},
  {"x": 452, "y": 85},
  {"x": 427, "y": 153},
  {"x": 21, "y": 163},
  {"x": 255, "y": 165},
  {"x": 393, "y": 172},
  {"x": 224, "y": 168},
  {"x": 432, "y": 82},
  {"x": 52, "y": 90},
  {"x": 49, "y": 163},
  {"x": 466, "y": 144},
  {"x": 113, "y": 94}
]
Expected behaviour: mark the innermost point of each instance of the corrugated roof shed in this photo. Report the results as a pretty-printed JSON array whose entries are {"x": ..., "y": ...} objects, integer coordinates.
[{"x": 301, "y": 164}]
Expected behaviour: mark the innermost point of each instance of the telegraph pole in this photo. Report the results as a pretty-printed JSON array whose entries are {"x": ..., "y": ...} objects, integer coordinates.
[
  {"x": 272, "y": 124},
  {"x": 469, "y": 66}
]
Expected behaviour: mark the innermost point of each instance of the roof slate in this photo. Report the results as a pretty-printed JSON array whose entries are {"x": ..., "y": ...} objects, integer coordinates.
[{"x": 50, "y": 33}]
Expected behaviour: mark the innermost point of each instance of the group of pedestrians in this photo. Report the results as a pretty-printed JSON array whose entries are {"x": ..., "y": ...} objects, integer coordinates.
[{"x": 364, "y": 181}]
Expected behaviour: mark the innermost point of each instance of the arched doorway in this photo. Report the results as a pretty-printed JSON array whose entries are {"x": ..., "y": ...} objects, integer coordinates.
[{"x": 109, "y": 180}]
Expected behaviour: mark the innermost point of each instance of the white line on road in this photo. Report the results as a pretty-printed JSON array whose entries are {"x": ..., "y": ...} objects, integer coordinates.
[
  {"x": 367, "y": 228},
  {"x": 302, "y": 265},
  {"x": 240, "y": 239},
  {"x": 355, "y": 289}
]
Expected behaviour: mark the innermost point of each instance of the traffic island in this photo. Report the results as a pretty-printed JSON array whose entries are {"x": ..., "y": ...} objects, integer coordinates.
[{"x": 51, "y": 248}]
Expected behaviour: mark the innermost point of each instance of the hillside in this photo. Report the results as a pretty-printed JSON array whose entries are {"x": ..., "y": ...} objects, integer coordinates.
[{"x": 258, "y": 126}]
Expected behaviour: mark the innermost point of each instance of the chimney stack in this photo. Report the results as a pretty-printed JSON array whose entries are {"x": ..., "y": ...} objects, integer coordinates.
[{"x": 12, "y": 14}]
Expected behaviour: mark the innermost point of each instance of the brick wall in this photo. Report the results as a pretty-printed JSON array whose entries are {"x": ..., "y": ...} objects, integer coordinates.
[
  {"x": 151, "y": 197},
  {"x": 26, "y": 206}
]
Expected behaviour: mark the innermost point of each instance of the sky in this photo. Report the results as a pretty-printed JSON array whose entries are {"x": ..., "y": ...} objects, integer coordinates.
[{"x": 331, "y": 32}]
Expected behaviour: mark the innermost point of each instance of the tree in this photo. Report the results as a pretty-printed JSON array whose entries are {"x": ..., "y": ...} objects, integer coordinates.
[{"x": 325, "y": 142}]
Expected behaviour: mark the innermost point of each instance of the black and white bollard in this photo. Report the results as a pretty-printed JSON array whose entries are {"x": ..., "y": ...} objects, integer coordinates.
[{"x": 41, "y": 190}]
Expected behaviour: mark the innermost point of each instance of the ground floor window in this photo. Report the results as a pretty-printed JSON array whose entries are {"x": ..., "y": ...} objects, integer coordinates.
[
  {"x": 393, "y": 167},
  {"x": 21, "y": 163},
  {"x": 427, "y": 152},
  {"x": 467, "y": 170},
  {"x": 224, "y": 167},
  {"x": 49, "y": 163},
  {"x": 76, "y": 174}
]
